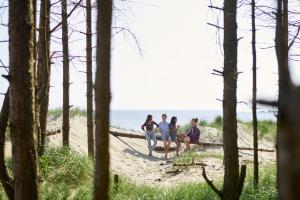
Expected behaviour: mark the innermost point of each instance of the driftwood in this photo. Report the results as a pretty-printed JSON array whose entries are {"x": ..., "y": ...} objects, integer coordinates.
[
  {"x": 211, "y": 185},
  {"x": 176, "y": 171},
  {"x": 160, "y": 148},
  {"x": 53, "y": 132},
  {"x": 206, "y": 144},
  {"x": 189, "y": 164},
  {"x": 158, "y": 137},
  {"x": 220, "y": 193}
]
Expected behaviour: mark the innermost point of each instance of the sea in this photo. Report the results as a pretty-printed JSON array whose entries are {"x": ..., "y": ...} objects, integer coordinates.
[{"x": 133, "y": 119}]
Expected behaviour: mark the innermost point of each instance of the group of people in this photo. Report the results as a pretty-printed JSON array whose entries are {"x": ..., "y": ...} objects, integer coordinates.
[{"x": 169, "y": 133}]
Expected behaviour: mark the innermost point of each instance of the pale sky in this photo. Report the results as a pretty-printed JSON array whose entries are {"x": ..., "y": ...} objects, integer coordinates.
[{"x": 179, "y": 51}]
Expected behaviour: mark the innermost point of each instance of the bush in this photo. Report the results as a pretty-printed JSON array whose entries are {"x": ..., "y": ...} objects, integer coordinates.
[
  {"x": 217, "y": 122},
  {"x": 56, "y": 113}
]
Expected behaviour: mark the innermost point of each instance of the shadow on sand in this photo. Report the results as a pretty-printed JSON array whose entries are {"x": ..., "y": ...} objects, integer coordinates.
[{"x": 132, "y": 151}]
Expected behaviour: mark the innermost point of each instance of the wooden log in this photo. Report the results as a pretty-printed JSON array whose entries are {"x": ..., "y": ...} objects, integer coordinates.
[
  {"x": 189, "y": 164},
  {"x": 53, "y": 132},
  {"x": 158, "y": 137},
  {"x": 206, "y": 144}
]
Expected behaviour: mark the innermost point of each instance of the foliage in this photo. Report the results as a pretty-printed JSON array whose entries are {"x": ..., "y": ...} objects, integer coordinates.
[
  {"x": 56, "y": 113},
  {"x": 266, "y": 128},
  {"x": 217, "y": 122},
  {"x": 267, "y": 184}
]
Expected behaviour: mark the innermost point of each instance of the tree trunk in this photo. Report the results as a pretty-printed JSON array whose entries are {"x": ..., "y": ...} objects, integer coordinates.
[
  {"x": 278, "y": 46},
  {"x": 22, "y": 98},
  {"x": 66, "y": 84},
  {"x": 254, "y": 114},
  {"x": 231, "y": 176},
  {"x": 288, "y": 113},
  {"x": 43, "y": 71},
  {"x": 89, "y": 80},
  {"x": 6, "y": 180},
  {"x": 102, "y": 98}
]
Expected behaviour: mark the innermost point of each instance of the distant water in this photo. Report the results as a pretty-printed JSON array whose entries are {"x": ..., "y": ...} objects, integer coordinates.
[{"x": 133, "y": 119}]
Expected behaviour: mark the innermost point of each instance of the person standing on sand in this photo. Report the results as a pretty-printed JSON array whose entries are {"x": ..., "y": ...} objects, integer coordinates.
[
  {"x": 150, "y": 135},
  {"x": 173, "y": 128},
  {"x": 192, "y": 136},
  {"x": 165, "y": 134}
]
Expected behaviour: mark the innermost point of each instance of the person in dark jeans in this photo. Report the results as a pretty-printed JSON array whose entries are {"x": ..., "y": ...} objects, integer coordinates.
[{"x": 150, "y": 134}]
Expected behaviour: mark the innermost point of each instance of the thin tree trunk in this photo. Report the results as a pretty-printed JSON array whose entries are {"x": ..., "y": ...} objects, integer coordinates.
[
  {"x": 22, "y": 98},
  {"x": 66, "y": 83},
  {"x": 231, "y": 176},
  {"x": 278, "y": 44},
  {"x": 254, "y": 114},
  {"x": 102, "y": 98},
  {"x": 89, "y": 79},
  {"x": 43, "y": 71},
  {"x": 6, "y": 180}
]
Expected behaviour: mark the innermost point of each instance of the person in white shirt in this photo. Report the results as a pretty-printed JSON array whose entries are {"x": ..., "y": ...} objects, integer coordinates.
[{"x": 165, "y": 134}]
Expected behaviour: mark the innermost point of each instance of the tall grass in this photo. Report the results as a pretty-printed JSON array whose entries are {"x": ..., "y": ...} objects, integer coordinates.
[
  {"x": 68, "y": 175},
  {"x": 266, "y": 128},
  {"x": 56, "y": 113}
]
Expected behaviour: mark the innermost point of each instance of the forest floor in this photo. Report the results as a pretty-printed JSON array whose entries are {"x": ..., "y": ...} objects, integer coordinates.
[{"x": 129, "y": 157}]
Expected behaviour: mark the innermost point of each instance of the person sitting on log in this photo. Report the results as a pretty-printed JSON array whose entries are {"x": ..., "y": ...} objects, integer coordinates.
[
  {"x": 150, "y": 135},
  {"x": 192, "y": 135}
]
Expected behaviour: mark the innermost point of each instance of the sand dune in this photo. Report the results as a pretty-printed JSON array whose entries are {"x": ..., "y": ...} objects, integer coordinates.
[{"x": 129, "y": 157}]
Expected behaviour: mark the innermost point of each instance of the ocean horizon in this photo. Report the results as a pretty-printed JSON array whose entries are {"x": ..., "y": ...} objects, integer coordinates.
[{"x": 133, "y": 119}]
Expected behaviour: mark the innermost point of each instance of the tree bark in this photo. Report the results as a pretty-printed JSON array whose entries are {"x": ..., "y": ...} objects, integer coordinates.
[
  {"x": 43, "y": 72},
  {"x": 6, "y": 180},
  {"x": 66, "y": 83},
  {"x": 288, "y": 113},
  {"x": 102, "y": 98},
  {"x": 89, "y": 80},
  {"x": 22, "y": 98},
  {"x": 254, "y": 95},
  {"x": 231, "y": 176}
]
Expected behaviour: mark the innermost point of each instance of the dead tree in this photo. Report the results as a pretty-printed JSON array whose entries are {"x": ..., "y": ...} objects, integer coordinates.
[
  {"x": 254, "y": 94},
  {"x": 66, "y": 78},
  {"x": 233, "y": 182},
  {"x": 5, "y": 179},
  {"x": 43, "y": 72},
  {"x": 89, "y": 79},
  {"x": 22, "y": 98},
  {"x": 102, "y": 98}
]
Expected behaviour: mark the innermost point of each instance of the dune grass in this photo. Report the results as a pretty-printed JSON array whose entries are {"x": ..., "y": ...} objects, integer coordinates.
[
  {"x": 68, "y": 175},
  {"x": 56, "y": 113},
  {"x": 266, "y": 128}
]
